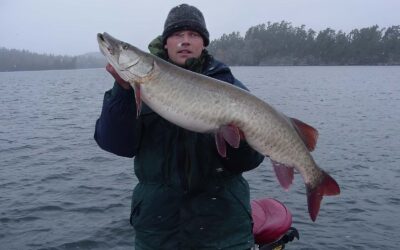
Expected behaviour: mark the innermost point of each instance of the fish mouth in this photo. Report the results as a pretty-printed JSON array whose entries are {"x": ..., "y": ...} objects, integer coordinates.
[{"x": 105, "y": 43}]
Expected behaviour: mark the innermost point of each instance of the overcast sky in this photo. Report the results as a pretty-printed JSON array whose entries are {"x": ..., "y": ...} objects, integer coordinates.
[{"x": 69, "y": 27}]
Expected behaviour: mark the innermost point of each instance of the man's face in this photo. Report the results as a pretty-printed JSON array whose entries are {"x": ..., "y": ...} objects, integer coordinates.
[{"x": 183, "y": 45}]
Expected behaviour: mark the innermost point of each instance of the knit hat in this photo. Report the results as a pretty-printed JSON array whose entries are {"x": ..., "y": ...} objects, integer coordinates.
[{"x": 185, "y": 17}]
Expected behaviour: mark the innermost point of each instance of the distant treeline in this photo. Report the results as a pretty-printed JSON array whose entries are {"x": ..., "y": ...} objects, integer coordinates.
[
  {"x": 283, "y": 44},
  {"x": 264, "y": 44},
  {"x": 18, "y": 60}
]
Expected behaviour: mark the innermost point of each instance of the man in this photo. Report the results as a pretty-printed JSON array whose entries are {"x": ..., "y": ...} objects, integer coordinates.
[{"x": 188, "y": 196}]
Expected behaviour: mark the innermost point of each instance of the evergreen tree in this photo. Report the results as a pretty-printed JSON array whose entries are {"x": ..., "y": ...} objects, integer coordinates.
[{"x": 283, "y": 44}]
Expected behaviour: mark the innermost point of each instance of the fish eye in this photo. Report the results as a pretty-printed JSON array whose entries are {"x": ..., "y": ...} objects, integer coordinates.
[{"x": 125, "y": 46}]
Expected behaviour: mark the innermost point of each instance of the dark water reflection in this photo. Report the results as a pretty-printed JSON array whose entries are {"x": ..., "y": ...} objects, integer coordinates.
[{"x": 58, "y": 190}]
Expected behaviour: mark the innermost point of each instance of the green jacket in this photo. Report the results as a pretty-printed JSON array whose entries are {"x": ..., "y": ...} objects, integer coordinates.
[{"x": 188, "y": 197}]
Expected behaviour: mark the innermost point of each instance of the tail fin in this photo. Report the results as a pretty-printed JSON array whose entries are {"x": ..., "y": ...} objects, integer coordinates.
[{"x": 328, "y": 186}]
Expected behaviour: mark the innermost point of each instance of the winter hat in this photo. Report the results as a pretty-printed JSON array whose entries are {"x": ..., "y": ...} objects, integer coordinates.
[{"x": 185, "y": 17}]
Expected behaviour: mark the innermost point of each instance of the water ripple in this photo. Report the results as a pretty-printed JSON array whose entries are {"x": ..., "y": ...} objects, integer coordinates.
[{"x": 60, "y": 191}]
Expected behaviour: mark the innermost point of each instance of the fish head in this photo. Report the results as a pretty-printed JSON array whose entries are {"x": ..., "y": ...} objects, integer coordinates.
[{"x": 131, "y": 64}]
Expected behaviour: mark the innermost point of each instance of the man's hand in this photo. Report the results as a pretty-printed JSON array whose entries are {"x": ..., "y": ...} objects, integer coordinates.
[{"x": 117, "y": 78}]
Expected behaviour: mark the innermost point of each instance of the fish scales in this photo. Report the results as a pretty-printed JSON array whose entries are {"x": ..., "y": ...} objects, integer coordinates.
[{"x": 206, "y": 105}]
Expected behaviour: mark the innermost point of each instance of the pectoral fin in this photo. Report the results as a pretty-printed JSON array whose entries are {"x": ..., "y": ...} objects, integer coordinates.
[
  {"x": 221, "y": 146},
  {"x": 230, "y": 134},
  {"x": 138, "y": 99}
]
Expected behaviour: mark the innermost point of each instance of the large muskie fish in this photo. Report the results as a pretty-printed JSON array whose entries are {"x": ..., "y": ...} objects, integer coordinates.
[{"x": 206, "y": 105}]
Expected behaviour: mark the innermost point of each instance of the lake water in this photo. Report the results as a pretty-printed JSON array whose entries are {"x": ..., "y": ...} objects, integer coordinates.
[{"x": 58, "y": 190}]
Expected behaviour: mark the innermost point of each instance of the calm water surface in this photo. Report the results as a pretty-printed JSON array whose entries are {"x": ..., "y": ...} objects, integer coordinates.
[{"x": 58, "y": 190}]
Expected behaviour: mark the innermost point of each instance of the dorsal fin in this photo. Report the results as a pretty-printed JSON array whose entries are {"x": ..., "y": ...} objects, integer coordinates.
[{"x": 308, "y": 134}]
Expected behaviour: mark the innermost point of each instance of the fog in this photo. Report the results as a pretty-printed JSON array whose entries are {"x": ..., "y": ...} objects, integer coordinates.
[{"x": 65, "y": 27}]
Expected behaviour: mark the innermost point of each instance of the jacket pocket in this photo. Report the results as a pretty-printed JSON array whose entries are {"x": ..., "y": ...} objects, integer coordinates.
[
  {"x": 137, "y": 200},
  {"x": 240, "y": 192},
  {"x": 135, "y": 213}
]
